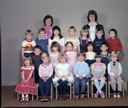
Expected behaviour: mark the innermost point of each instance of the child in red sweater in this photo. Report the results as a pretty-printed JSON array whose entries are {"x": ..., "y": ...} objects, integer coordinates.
[{"x": 113, "y": 42}]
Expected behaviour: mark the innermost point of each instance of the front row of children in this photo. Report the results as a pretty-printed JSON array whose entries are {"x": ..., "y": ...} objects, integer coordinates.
[{"x": 62, "y": 74}]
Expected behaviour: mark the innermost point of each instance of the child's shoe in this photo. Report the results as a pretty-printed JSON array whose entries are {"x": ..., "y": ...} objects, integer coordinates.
[
  {"x": 102, "y": 94},
  {"x": 82, "y": 96},
  {"x": 96, "y": 95},
  {"x": 118, "y": 95},
  {"x": 114, "y": 94}
]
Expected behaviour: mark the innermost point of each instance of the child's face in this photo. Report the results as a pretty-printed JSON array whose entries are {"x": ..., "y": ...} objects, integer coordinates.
[
  {"x": 37, "y": 51},
  {"x": 99, "y": 34},
  {"x": 81, "y": 58},
  {"x": 104, "y": 48},
  {"x": 62, "y": 60},
  {"x": 45, "y": 60},
  {"x": 112, "y": 34},
  {"x": 113, "y": 58},
  {"x": 48, "y": 22},
  {"x": 90, "y": 48},
  {"x": 56, "y": 32},
  {"x": 84, "y": 33},
  {"x": 69, "y": 47},
  {"x": 29, "y": 37},
  {"x": 54, "y": 49},
  {"x": 72, "y": 32},
  {"x": 92, "y": 18},
  {"x": 27, "y": 62},
  {"x": 42, "y": 34},
  {"x": 98, "y": 60}
]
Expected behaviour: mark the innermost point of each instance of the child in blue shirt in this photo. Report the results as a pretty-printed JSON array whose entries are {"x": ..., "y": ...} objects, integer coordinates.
[
  {"x": 42, "y": 40},
  {"x": 81, "y": 72}
]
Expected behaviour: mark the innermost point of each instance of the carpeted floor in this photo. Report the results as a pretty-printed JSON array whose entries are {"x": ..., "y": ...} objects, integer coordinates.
[{"x": 9, "y": 100}]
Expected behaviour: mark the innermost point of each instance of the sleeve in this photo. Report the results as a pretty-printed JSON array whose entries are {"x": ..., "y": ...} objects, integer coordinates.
[
  {"x": 120, "y": 69},
  {"x": 40, "y": 71},
  {"x": 120, "y": 45},
  {"x": 23, "y": 44},
  {"x": 87, "y": 70},
  {"x": 33, "y": 43},
  {"x": 51, "y": 70},
  {"x": 109, "y": 70},
  {"x": 21, "y": 69},
  {"x": 76, "y": 70}
]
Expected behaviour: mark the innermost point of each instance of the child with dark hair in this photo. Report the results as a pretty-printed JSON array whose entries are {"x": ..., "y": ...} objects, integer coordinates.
[
  {"x": 113, "y": 42},
  {"x": 98, "y": 41},
  {"x": 42, "y": 40},
  {"x": 57, "y": 36},
  {"x": 48, "y": 22}
]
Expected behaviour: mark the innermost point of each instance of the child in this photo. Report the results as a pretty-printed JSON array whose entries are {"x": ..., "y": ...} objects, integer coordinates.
[
  {"x": 115, "y": 72},
  {"x": 45, "y": 77},
  {"x": 93, "y": 24},
  {"x": 90, "y": 54},
  {"x": 105, "y": 56},
  {"x": 42, "y": 40},
  {"x": 36, "y": 62},
  {"x": 98, "y": 71},
  {"x": 27, "y": 85},
  {"x": 63, "y": 75},
  {"x": 56, "y": 36},
  {"x": 98, "y": 41},
  {"x": 72, "y": 37},
  {"x": 55, "y": 51},
  {"x": 28, "y": 44},
  {"x": 71, "y": 54},
  {"x": 84, "y": 39},
  {"x": 114, "y": 43},
  {"x": 48, "y": 22},
  {"x": 81, "y": 72}
]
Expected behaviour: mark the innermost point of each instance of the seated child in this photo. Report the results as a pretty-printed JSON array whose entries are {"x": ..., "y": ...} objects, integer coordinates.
[
  {"x": 115, "y": 72},
  {"x": 81, "y": 72},
  {"x": 45, "y": 77},
  {"x": 63, "y": 75},
  {"x": 98, "y": 71}
]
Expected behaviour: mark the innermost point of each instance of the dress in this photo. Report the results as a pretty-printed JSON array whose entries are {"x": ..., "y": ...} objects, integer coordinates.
[{"x": 29, "y": 87}]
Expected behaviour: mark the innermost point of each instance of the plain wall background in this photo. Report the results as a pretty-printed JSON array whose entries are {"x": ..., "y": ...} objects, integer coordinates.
[{"x": 18, "y": 15}]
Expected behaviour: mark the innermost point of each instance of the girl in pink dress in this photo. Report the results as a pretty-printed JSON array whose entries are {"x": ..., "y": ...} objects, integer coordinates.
[
  {"x": 27, "y": 85},
  {"x": 72, "y": 55},
  {"x": 48, "y": 22}
]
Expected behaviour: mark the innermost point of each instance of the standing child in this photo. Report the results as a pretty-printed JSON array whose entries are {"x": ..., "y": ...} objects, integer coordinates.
[
  {"x": 36, "y": 59},
  {"x": 71, "y": 54},
  {"x": 84, "y": 39},
  {"x": 57, "y": 36},
  {"x": 105, "y": 56},
  {"x": 98, "y": 41},
  {"x": 27, "y": 85},
  {"x": 55, "y": 51},
  {"x": 114, "y": 43},
  {"x": 72, "y": 37},
  {"x": 81, "y": 72},
  {"x": 98, "y": 70},
  {"x": 48, "y": 22},
  {"x": 90, "y": 54},
  {"x": 63, "y": 75},
  {"x": 115, "y": 72},
  {"x": 28, "y": 44},
  {"x": 42, "y": 40},
  {"x": 45, "y": 74}
]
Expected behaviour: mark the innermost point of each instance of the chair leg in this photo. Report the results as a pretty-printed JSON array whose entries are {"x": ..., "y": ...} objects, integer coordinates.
[
  {"x": 73, "y": 92},
  {"x": 109, "y": 89},
  {"x": 92, "y": 88},
  {"x": 51, "y": 92},
  {"x": 88, "y": 89},
  {"x": 18, "y": 96},
  {"x": 106, "y": 90},
  {"x": 32, "y": 97},
  {"x": 123, "y": 90},
  {"x": 56, "y": 92},
  {"x": 70, "y": 91}
]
